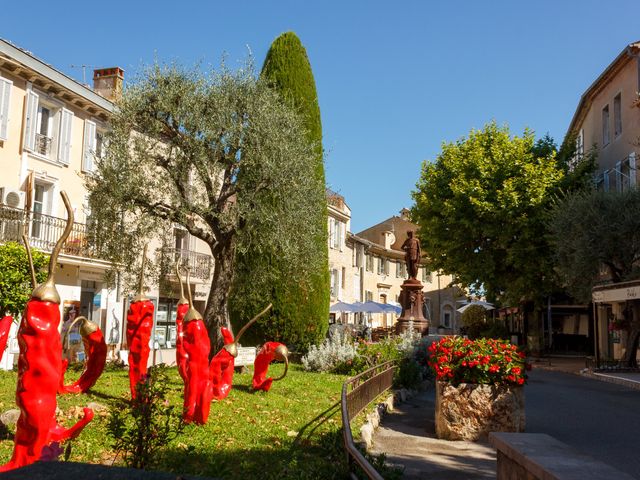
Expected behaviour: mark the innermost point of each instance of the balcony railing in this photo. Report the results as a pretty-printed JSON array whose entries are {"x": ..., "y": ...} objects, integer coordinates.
[
  {"x": 43, "y": 144},
  {"x": 44, "y": 231},
  {"x": 198, "y": 263}
]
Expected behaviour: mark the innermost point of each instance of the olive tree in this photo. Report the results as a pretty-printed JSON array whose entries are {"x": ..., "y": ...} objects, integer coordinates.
[{"x": 217, "y": 153}]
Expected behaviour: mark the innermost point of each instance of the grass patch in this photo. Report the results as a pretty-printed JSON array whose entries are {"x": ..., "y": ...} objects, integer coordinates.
[{"x": 293, "y": 431}]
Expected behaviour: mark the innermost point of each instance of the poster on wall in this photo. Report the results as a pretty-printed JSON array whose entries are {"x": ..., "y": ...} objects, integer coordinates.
[
  {"x": 114, "y": 324},
  {"x": 70, "y": 310}
]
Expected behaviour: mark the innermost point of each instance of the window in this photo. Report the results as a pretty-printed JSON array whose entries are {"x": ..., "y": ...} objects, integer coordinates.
[
  {"x": 579, "y": 153},
  {"x": 446, "y": 319},
  {"x": 397, "y": 269},
  {"x": 383, "y": 266},
  {"x": 605, "y": 126},
  {"x": 369, "y": 263},
  {"x": 93, "y": 145},
  {"x": 335, "y": 233},
  {"x": 335, "y": 283},
  {"x": 41, "y": 208},
  {"x": 181, "y": 237},
  {"x": 5, "y": 99},
  {"x": 617, "y": 115},
  {"x": 368, "y": 296},
  {"x": 426, "y": 275},
  {"x": 47, "y": 129}
]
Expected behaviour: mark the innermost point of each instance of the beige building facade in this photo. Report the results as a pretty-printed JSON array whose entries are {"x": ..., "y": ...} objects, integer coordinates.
[
  {"x": 370, "y": 265},
  {"x": 608, "y": 119},
  {"x": 51, "y": 130}
]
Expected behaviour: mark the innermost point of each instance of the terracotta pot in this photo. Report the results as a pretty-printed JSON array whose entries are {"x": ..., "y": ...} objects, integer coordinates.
[{"x": 470, "y": 411}]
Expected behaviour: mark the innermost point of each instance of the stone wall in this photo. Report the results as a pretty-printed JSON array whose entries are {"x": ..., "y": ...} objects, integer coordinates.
[{"x": 470, "y": 412}]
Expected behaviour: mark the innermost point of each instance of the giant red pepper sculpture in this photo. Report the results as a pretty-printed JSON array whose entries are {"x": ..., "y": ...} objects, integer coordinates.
[
  {"x": 40, "y": 366},
  {"x": 197, "y": 390},
  {"x": 95, "y": 348},
  {"x": 222, "y": 365},
  {"x": 269, "y": 352},
  {"x": 5, "y": 328},
  {"x": 182, "y": 308},
  {"x": 139, "y": 325}
]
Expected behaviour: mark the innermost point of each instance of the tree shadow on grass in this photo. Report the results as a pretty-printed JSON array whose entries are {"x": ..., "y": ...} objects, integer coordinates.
[{"x": 321, "y": 459}]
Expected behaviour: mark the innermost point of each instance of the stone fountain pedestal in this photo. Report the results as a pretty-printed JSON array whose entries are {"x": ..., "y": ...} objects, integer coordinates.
[{"x": 412, "y": 300}]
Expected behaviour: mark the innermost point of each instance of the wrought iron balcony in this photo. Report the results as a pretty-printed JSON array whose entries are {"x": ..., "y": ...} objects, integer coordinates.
[
  {"x": 43, "y": 144},
  {"x": 43, "y": 232},
  {"x": 199, "y": 263}
]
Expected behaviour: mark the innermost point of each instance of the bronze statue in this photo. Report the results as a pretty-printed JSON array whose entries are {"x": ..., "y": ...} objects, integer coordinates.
[{"x": 411, "y": 247}]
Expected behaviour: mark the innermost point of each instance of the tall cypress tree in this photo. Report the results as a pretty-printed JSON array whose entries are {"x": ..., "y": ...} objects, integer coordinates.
[{"x": 300, "y": 300}]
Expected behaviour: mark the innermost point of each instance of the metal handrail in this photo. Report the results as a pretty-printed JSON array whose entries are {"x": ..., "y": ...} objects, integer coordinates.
[{"x": 363, "y": 388}]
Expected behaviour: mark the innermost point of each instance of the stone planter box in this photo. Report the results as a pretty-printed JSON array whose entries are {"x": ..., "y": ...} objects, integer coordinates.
[{"x": 469, "y": 411}]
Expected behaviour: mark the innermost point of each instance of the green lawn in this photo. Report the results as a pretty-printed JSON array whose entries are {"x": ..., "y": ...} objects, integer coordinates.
[{"x": 290, "y": 432}]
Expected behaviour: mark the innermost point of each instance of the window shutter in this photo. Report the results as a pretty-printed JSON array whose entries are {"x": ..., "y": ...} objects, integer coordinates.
[
  {"x": 64, "y": 147},
  {"x": 632, "y": 170},
  {"x": 605, "y": 177},
  {"x": 89, "y": 146},
  {"x": 619, "y": 177},
  {"x": 5, "y": 97},
  {"x": 30, "y": 119},
  {"x": 341, "y": 227}
]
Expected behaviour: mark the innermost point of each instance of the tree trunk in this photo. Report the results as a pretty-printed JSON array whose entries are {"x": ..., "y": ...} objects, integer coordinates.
[
  {"x": 633, "y": 335},
  {"x": 216, "y": 314}
]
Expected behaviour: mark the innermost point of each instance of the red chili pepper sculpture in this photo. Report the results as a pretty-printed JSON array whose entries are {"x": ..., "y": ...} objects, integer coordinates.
[
  {"x": 40, "y": 367},
  {"x": 222, "y": 365},
  {"x": 181, "y": 356},
  {"x": 95, "y": 348},
  {"x": 269, "y": 352},
  {"x": 5, "y": 328},
  {"x": 197, "y": 391},
  {"x": 139, "y": 325}
]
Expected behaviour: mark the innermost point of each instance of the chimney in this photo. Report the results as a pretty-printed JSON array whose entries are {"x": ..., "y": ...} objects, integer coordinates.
[
  {"x": 107, "y": 82},
  {"x": 388, "y": 239},
  {"x": 405, "y": 214}
]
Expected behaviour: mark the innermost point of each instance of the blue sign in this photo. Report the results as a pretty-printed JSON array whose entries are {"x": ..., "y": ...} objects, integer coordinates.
[{"x": 96, "y": 299}]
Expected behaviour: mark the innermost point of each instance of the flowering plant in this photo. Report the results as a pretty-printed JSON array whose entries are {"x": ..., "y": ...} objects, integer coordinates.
[
  {"x": 618, "y": 324},
  {"x": 485, "y": 361}
]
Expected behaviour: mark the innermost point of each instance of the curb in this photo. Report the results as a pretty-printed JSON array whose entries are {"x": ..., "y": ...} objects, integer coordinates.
[
  {"x": 625, "y": 382},
  {"x": 602, "y": 377}
]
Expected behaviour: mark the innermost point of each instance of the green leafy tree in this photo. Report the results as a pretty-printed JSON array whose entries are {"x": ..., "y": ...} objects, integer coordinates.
[
  {"x": 481, "y": 208},
  {"x": 300, "y": 299},
  {"x": 206, "y": 151},
  {"x": 594, "y": 233},
  {"x": 15, "y": 277}
]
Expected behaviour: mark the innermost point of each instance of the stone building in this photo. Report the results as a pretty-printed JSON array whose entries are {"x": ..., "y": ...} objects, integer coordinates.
[{"x": 370, "y": 265}]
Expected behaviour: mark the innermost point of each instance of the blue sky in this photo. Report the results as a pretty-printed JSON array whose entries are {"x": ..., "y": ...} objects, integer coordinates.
[{"x": 394, "y": 79}]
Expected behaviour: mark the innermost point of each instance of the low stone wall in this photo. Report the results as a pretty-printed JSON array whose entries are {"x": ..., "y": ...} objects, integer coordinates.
[
  {"x": 537, "y": 456},
  {"x": 469, "y": 411}
]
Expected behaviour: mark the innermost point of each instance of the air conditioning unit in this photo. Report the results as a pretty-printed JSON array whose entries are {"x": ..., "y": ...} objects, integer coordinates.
[{"x": 14, "y": 199}]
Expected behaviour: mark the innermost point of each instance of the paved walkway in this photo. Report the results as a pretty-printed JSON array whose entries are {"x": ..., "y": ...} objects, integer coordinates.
[{"x": 407, "y": 436}]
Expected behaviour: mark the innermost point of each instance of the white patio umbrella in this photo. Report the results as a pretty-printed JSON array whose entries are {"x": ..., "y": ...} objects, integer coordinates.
[
  {"x": 479, "y": 303},
  {"x": 343, "y": 307}
]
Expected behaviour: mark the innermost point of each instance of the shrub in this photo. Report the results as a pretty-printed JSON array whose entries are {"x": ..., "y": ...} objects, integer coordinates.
[
  {"x": 336, "y": 350},
  {"x": 484, "y": 361},
  {"x": 141, "y": 431}
]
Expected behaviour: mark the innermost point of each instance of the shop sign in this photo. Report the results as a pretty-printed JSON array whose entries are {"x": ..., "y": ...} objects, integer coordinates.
[
  {"x": 246, "y": 356},
  {"x": 616, "y": 294},
  {"x": 92, "y": 275}
]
